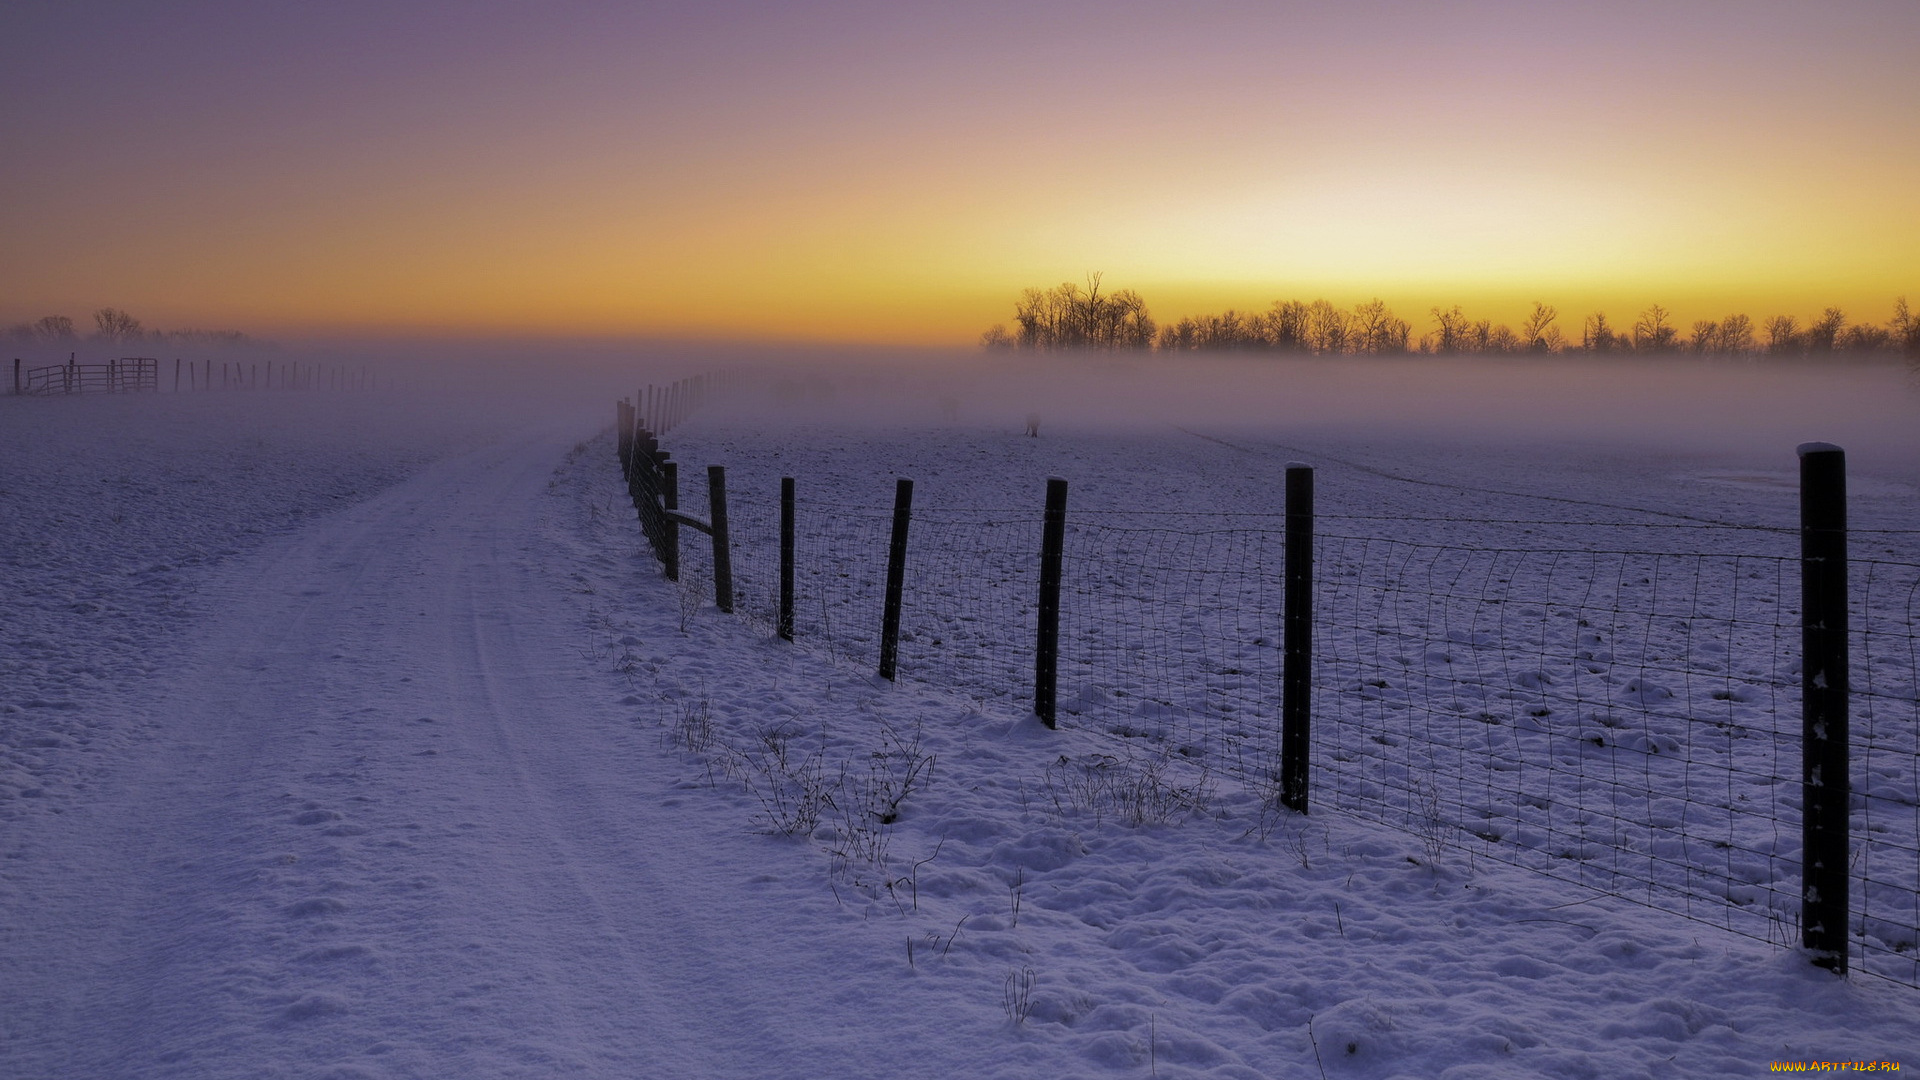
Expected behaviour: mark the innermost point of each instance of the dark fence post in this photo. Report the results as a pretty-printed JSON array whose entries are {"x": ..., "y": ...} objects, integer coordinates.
[
  {"x": 1296, "y": 663},
  {"x": 1825, "y": 785},
  {"x": 623, "y": 442},
  {"x": 786, "y": 557},
  {"x": 1046, "y": 650},
  {"x": 670, "y": 529},
  {"x": 722, "y": 553},
  {"x": 16, "y": 376},
  {"x": 896, "y": 578}
]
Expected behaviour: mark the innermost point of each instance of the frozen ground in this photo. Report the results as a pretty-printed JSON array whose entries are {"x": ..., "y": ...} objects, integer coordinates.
[{"x": 354, "y": 736}]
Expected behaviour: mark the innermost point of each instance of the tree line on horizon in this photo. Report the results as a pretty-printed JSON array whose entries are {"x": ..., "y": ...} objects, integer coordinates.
[
  {"x": 1069, "y": 316},
  {"x": 111, "y": 326}
]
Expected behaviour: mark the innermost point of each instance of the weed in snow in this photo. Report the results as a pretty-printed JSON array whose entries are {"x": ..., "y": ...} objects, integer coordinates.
[
  {"x": 1135, "y": 789},
  {"x": 1017, "y": 995}
]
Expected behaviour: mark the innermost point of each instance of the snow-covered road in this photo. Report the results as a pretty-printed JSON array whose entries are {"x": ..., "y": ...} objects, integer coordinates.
[{"x": 390, "y": 819}]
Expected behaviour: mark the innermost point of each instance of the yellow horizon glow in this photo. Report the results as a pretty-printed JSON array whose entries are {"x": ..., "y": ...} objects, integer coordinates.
[{"x": 876, "y": 192}]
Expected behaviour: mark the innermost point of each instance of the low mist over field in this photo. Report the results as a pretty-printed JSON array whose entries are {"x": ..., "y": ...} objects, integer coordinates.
[{"x": 1758, "y": 408}]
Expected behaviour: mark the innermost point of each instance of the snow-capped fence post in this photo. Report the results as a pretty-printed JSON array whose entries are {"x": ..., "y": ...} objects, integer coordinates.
[
  {"x": 1825, "y": 786},
  {"x": 896, "y": 577},
  {"x": 786, "y": 558},
  {"x": 1046, "y": 650},
  {"x": 722, "y": 553},
  {"x": 1296, "y": 659}
]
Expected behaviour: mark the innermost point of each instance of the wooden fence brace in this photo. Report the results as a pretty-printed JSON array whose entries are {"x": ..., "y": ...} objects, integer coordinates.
[
  {"x": 722, "y": 552},
  {"x": 1296, "y": 670},
  {"x": 786, "y": 557},
  {"x": 896, "y": 578},
  {"x": 1046, "y": 651},
  {"x": 1825, "y": 785},
  {"x": 670, "y": 530}
]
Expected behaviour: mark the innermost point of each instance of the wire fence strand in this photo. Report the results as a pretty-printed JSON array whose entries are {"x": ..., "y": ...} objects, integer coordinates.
[{"x": 1617, "y": 716}]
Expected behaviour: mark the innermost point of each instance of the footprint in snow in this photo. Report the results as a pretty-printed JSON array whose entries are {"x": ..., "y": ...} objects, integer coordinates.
[{"x": 310, "y": 1006}]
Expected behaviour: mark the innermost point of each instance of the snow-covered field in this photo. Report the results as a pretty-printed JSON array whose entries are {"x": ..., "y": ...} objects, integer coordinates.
[{"x": 355, "y": 735}]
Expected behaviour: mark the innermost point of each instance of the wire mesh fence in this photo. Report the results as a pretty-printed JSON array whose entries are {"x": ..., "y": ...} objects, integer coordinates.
[
  {"x": 1625, "y": 715},
  {"x": 1612, "y": 717}
]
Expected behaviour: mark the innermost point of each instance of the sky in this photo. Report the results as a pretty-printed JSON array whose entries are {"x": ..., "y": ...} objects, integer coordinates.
[{"x": 889, "y": 172}]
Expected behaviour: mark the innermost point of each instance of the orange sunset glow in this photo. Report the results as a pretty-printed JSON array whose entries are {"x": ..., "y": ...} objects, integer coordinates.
[{"x": 896, "y": 173}]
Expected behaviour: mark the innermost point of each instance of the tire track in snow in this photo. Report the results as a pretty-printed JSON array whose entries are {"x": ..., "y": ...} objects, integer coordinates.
[{"x": 388, "y": 830}]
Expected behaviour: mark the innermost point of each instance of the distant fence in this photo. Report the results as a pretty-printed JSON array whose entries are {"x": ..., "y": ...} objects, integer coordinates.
[
  {"x": 1642, "y": 721},
  {"x": 133, "y": 374},
  {"x": 128, "y": 374}
]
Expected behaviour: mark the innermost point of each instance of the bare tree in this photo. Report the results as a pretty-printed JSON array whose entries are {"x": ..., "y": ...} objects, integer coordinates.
[
  {"x": 1178, "y": 336},
  {"x": 1451, "y": 331},
  {"x": 1905, "y": 327},
  {"x": 54, "y": 328},
  {"x": 1823, "y": 334},
  {"x": 1736, "y": 335},
  {"x": 1328, "y": 328},
  {"x": 1069, "y": 317},
  {"x": 1537, "y": 332},
  {"x": 112, "y": 324},
  {"x": 1284, "y": 326},
  {"x": 1652, "y": 332},
  {"x": 1376, "y": 330},
  {"x": 1706, "y": 337},
  {"x": 1783, "y": 336},
  {"x": 1227, "y": 330},
  {"x": 1125, "y": 322},
  {"x": 1865, "y": 338},
  {"x": 1598, "y": 335}
]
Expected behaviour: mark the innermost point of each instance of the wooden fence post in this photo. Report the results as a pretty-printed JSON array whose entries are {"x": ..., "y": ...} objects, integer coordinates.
[
  {"x": 722, "y": 552},
  {"x": 1825, "y": 787},
  {"x": 670, "y": 498},
  {"x": 786, "y": 557},
  {"x": 1046, "y": 651},
  {"x": 1296, "y": 663},
  {"x": 896, "y": 578},
  {"x": 623, "y": 443}
]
